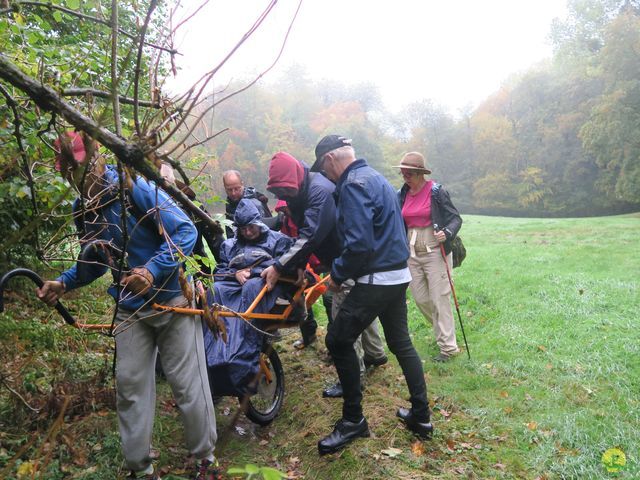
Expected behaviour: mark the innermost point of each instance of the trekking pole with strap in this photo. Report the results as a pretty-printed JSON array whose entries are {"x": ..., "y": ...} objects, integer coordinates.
[{"x": 453, "y": 291}]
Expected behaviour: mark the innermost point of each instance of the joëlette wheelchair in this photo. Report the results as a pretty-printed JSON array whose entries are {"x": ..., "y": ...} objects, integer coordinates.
[{"x": 265, "y": 394}]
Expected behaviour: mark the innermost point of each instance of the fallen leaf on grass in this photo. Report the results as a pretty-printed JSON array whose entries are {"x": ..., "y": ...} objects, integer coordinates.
[
  {"x": 507, "y": 410},
  {"x": 499, "y": 466},
  {"x": 391, "y": 452},
  {"x": 262, "y": 443},
  {"x": 532, "y": 426},
  {"x": 444, "y": 413},
  {"x": 25, "y": 468},
  {"x": 504, "y": 394},
  {"x": 451, "y": 445},
  {"x": 417, "y": 448},
  {"x": 542, "y": 348}
]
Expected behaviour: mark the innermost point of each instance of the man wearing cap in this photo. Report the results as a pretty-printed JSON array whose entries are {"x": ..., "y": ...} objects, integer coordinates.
[
  {"x": 373, "y": 253},
  {"x": 151, "y": 276},
  {"x": 309, "y": 197}
]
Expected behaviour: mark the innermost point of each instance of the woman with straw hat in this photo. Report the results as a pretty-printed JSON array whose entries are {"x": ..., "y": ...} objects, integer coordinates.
[{"x": 431, "y": 219}]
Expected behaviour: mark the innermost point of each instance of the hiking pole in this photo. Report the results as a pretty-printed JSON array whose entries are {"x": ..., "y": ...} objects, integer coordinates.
[{"x": 455, "y": 298}]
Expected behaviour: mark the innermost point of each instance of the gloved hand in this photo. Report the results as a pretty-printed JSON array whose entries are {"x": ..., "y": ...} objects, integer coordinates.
[{"x": 138, "y": 281}]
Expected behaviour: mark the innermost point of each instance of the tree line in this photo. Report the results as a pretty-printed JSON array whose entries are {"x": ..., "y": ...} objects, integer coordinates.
[{"x": 561, "y": 139}]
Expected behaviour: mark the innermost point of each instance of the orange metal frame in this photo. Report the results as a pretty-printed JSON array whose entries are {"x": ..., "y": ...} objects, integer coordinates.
[{"x": 249, "y": 313}]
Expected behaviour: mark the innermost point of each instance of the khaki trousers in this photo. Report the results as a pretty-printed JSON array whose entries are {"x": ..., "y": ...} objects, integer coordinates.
[{"x": 430, "y": 287}]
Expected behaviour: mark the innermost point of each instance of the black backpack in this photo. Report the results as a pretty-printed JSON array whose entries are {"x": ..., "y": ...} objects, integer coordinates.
[{"x": 458, "y": 252}]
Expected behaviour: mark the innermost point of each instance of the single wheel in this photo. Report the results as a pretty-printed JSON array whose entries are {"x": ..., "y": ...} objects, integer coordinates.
[{"x": 265, "y": 404}]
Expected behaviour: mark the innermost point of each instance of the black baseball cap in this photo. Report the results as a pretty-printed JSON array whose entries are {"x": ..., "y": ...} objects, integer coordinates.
[{"x": 327, "y": 144}]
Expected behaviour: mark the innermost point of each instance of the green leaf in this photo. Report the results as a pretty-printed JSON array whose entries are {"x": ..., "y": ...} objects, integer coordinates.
[
  {"x": 73, "y": 4},
  {"x": 19, "y": 19},
  {"x": 269, "y": 473},
  {"x": 235, "y": 471},
  {"x": 251, "y": 469},
  {"x": 57, "y": 16}
]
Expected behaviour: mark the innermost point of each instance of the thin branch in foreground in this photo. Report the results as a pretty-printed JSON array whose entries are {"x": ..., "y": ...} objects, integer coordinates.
[
  {"x": 236, "y": 92},
  {"x": 206, "y": 78},
  {"x": 131, "y": 154},
  {"x": 81, "y": 92},
  {"x": 136, "y": 80}
]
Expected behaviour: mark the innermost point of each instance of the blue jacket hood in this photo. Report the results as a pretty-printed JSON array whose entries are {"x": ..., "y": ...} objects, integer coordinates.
[{"x": 247, "y": 214}]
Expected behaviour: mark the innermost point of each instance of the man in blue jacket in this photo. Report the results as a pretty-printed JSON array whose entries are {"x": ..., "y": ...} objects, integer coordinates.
[
  {"x": 373, "y": 253},
  {"x": 309, "y": 197},
  {"x": 154, "y": 233}
]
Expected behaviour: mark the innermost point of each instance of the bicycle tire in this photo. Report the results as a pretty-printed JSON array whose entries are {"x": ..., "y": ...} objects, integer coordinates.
[{"x": 264, "y": 406}]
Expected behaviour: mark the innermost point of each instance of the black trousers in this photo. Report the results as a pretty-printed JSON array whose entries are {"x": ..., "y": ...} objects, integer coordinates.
[
  {"x": 360, "y": 308},
  {"x": 308, "y": 327}
]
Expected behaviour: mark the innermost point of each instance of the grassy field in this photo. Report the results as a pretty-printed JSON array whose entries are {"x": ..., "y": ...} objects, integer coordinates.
[{"x": 549, "y": 307}]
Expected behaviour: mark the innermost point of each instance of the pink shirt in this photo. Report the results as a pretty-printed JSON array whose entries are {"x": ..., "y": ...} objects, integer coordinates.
[{"x": 416, "y": 210}]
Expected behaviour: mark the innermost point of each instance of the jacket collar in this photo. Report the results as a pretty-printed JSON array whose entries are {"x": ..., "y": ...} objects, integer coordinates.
[{"x": 361, "y": 162}]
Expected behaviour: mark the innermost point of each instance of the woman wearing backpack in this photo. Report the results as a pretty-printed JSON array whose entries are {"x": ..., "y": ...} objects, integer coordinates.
[{"x": 431, "y": 219}]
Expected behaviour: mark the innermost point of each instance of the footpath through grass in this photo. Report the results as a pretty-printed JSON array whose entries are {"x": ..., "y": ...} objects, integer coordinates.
[{"x": 550, "y": 310}]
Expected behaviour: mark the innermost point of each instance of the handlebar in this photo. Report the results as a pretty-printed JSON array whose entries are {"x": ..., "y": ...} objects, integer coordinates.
[{"x": 35, "y": 278}]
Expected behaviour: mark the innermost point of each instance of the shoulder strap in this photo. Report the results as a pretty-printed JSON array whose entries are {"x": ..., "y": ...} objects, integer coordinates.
[{"x": 141, "y": 216}]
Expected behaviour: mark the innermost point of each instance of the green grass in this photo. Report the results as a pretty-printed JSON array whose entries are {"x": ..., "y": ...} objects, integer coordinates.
[{"x": 549, "y": 307}]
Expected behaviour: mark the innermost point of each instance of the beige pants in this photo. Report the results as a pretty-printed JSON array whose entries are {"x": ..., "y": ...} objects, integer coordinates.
[{"x": 430, "y": 286}]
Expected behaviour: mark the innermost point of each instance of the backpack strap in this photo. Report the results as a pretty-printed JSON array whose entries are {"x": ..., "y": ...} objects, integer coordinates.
[
  {"x": 142, "y": 217},
  {"x": 132, "y": 208}
]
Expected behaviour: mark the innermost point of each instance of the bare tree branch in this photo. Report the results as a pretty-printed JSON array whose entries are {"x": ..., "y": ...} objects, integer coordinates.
[
  {"x": 81, "y": 92},
  {"x": 117, "y": 121},
  {"x": 236, "y": 92},
  {"x": 131, "y": 154},
  {"x": 206, "y": 78},
  {"x": 136, "y": 80}
]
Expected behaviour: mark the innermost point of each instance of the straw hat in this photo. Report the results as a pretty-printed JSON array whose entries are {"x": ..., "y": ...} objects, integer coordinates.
[{"x": 413, "y": 161}]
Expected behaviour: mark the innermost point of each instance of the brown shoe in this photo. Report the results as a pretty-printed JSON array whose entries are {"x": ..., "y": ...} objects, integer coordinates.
[{"x": 441, "y": 358}]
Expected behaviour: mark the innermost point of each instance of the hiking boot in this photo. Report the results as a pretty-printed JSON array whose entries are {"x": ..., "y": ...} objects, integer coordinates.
[
  {"x": 375, "y": 362},
  {"x": 207, "y": 470},
  {"x": 334, "y": 391},
  {"x": 441, "y": 358},
  {"x": 343, "y": 433},
  {"x": 423, "y": 430},
  {"x": 148, "y": 476}
]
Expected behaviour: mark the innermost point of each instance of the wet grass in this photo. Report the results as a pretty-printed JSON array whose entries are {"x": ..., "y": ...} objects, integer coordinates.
[{"x": 550, "y": 310}]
